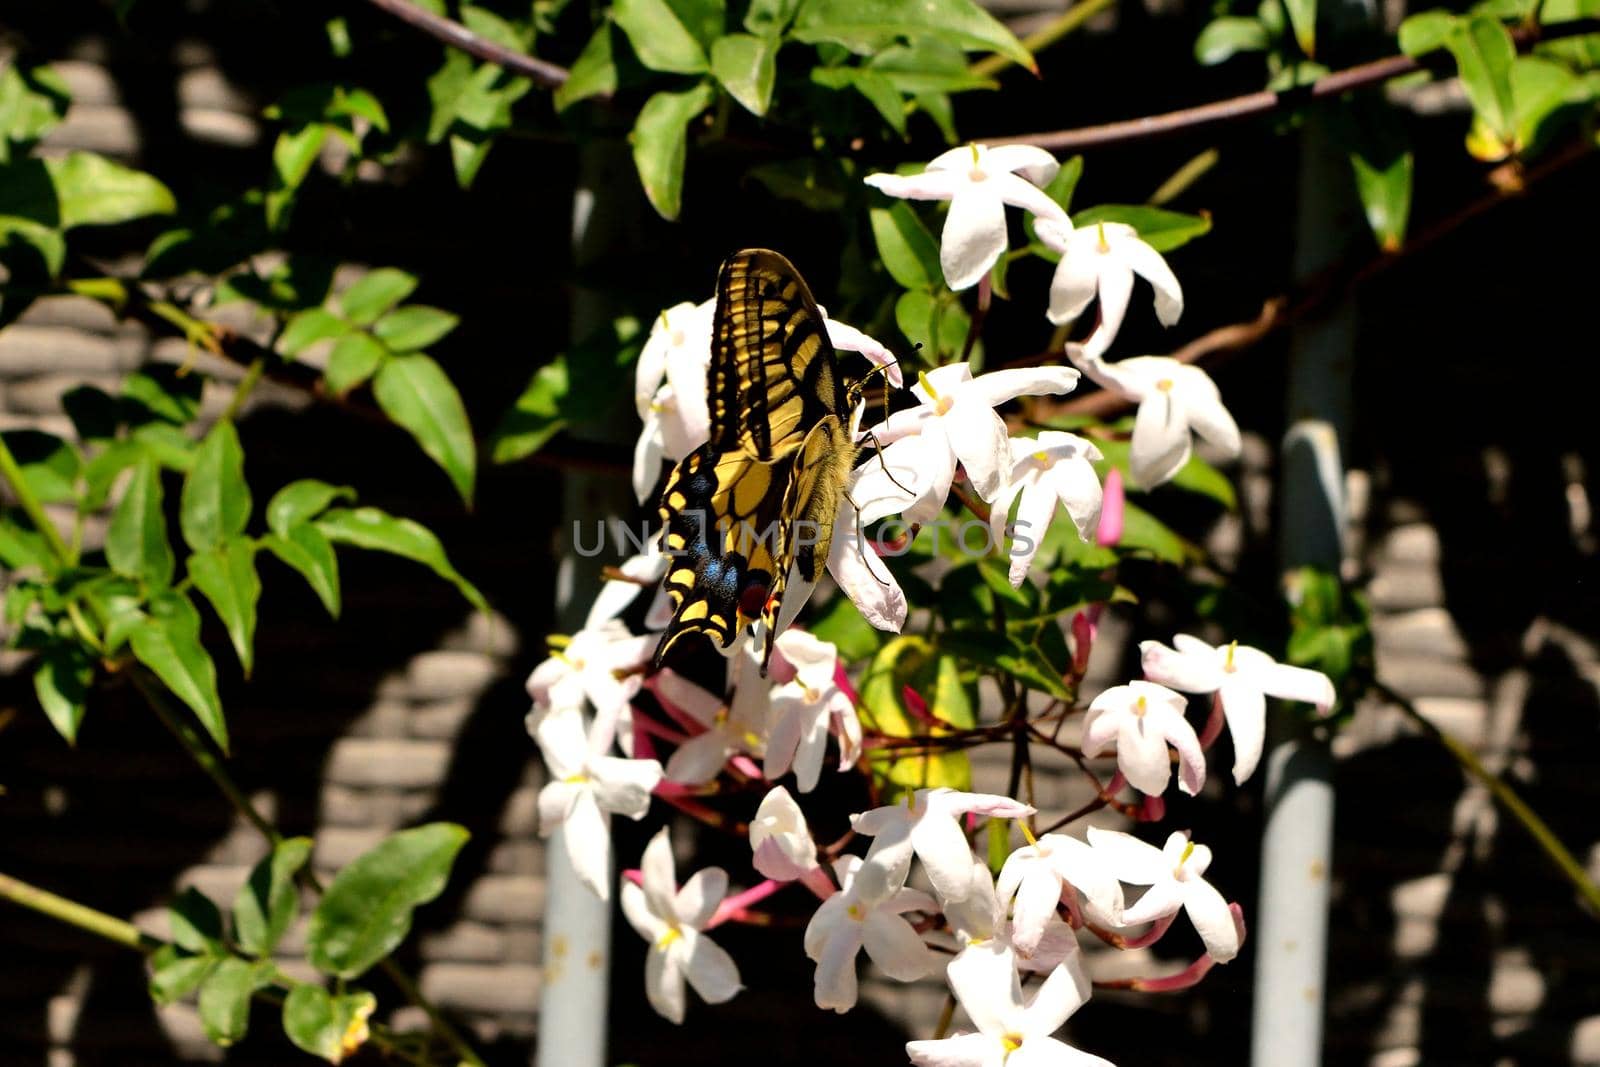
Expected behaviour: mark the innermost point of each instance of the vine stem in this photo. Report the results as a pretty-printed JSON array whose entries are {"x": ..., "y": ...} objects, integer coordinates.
[
  {"x": 81, "y": 916},
  {"x": 1508, "y": 797},
  {"x": 458, "y": 36},
  {"x": 212, "y": 765},
  {"x": 11, "y": 471},
  {"x": 1266, "y": 101}
]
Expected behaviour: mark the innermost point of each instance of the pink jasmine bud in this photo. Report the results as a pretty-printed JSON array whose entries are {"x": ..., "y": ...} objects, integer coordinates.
[{"x": 1109, "y": 532}]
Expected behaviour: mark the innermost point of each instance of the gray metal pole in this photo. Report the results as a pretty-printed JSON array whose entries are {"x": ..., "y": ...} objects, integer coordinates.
[
  {"x": 1291, "y": 928},
  {"x": 577, "y": 924}
]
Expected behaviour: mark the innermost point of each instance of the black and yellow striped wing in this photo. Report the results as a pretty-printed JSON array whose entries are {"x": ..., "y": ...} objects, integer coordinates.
[
  {"x": 773, "y": 372},
  {"x": 729, "y": 509}
]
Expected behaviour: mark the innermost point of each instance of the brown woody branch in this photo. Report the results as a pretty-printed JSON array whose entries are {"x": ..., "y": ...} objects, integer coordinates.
[
  {"x": 1266, "y": 101},
  {"x": 456, "y": 35}
]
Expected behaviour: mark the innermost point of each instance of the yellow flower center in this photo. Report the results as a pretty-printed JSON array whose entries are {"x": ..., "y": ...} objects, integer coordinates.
[
  {"x": 668, "y": 936},
  {"x": 855, "y": 912},
  {"x": 1188, "y": 850},
  {"x": 1227, "y": 663},
  {"x": 752, "y": 739},
  {"x": 576, "y": 779},
  {"x": 1026, "y": 832},
  {"x": 1165, "y": 385},
  {"x": 721, "y": 717},
  {"x": 556, "y": 642},
  {"x": 1104, "y": 245},
  {"x": 1140, "y": 706},
  {"x": 1011, "y": 1042}
]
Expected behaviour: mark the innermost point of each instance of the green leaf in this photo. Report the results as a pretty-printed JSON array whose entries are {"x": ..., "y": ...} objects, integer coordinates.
[
  {"x": 661, "y": 142},
  {"x": 366, "y": 912},
  {"x": 593, "y": 73},
  {"x": 302, "y": 500},
  {"x": 416, "y": 393},
  {"x": 308, "y": 551},
  {"x": 1004, "y": 652},
  {"x": 927, "y": 65},
  {"x": 1303, "y": 21},
  {"x": 375, "y": 293},
  {"x": 705, "y": 19},
  {"x": 267, "y": 902},
  {"x": 659, "y": 38},
  {"x": 770, "y": 18},
  {"x": 1385, "y": 190},
  {"x": 865, "y": 26},
  {"x": 878, "y": 89},
  {"x": 23, "y": 546},
  {"x": 536, "y": 417},
  {"x": 160, "y": 392},
  {"x": 91, "y": 190},
  {"x": 446, "y": 86},
  {"x": 1228, "y": 36},
  {"x": 225, "y": 997},
  {"x": 227, "y": 578},
  {"x": 50, "y": 466},
  {"x": 325, "y": 1025},
  {"x": 354, "y": 359},
  {"x": 33, "y": 100},
  {"x": 1484, "y": 53},
  {"x": 908, "y": 662},
  {"x": 294, "y": 152},
  {"x": 1162, "y": 230},
  {"x": 309, "y": 327},
  {"x": 841, "y": 625},
  {"x": 1540, "y": 88},
  {"x": 136, "y": 539},
  {"x": 1425, "y": 32},
  {"x": 168, "y": 642},
  {"x": 168, "y": 444},
  {"x": 909, "y": 252},
  {"x": 62, "y": 685},
  {"x": 215, "y": 506},
  {"x": 487, "y": 24},
  {"x": 815, "y": 183},
  {"x": 414, "y": 327},
  {"x": 372, "y": 529},
  {"x": 1143, "y": 532},
  {"x": 196, "y": 923},
  {"x": 746, "y": 66},
  {"x": 175, "y": 976}
]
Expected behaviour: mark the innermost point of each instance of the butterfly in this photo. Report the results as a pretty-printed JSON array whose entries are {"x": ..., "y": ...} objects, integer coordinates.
[{"x": 758, "y": 500}]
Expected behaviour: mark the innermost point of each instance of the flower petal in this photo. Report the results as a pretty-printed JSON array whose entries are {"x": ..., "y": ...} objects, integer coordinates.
[
  {"x": 1160, "y": 440},
  {"x": 985, "y": 981},
  {"x": 999, "y": 386},
  {"x": 1298, "y": 683},
  {"x": 698, "y": 899},
  {"x": 895, "y": 947},
  {"x": 1076, "y": 280},
  {"x": 887, "y": 863},
  {"x": 1142, "y": 755},
  {"x": 710, "y": 969},
  {"x": 1163, "y": 898},
  {"x": 624, "y": 785},
  {"x": 978, "y": 438},
  {"x": 657, "y": 874},
  {"x": 1212, "y": 919},
  {"x": 555, "y": 804},
  {"x": 636, "y": 909},
  {"x": 945, "y": 855},
  {"x": 1130, "y": 859},
  {"x": 1018, "y": 192},
  {"x": 1245, "y": 708},
  {"x": 1149, "y": 265},
  {"x": 929, "y": 185},
  {"x": 1037, "y": 897},
  {"x": 865, "y": 579},
  {"x": 835, "y": 984},
  {"x": 1032, "y": 162},
  {"x": 586, "y": 836},
  {"x": 1188, "y": 672},
  {"x": 974, "y": 235},
  {"x": 1116, "y": 286},
  {"x": 847, "y": 338},
  {"x": 1038, "y": 507},
  {"x": 1049, "y": 1052},
  {"x": 1063, "y": 993},
  {"x": 663, "y": 983},
  {"x": 964, "y": 1050}
]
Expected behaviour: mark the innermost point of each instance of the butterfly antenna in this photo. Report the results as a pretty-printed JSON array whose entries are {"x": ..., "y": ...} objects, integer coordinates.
[{"x": 861, "y": 543}]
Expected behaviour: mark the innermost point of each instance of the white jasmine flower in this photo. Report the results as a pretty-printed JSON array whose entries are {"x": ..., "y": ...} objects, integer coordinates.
[
  {"x": 780, "y": 840},
  {"x": 980, "y": 925},
  {"x": 853, "y": 919},
  {"x": 1173, "y": 399},
  {"x": 671, "y": 919},
  {"x": 1012, "y": 1031},
  {"x": 701, "y": 758},
  {"x": 1174, "y": 874},
  {"x": 587, "y": 668},
  {"x": 956, "y": 421},
  {"x": 928, "y": 822},
  {"x": 806, "y": 709},
  {"x": 1035, "y": 876},
  {"x": 1054, "y": 468},
  {"x": 586, "y": 787},
  {"x": 979, "y": 182},
  {"x": 1102, "y": 259},
  {"x": 1141, "y": 719},
  {"x": 1243, "y": 678}
]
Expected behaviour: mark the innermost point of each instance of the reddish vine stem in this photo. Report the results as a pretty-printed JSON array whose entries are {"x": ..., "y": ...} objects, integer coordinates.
[
  {"x": 458, "y": 36},
  {"x": 1265, "y": 101}
]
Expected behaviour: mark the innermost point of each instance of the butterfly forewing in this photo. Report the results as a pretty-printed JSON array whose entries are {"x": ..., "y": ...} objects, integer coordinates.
[{"x": 773, "y": 373}]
